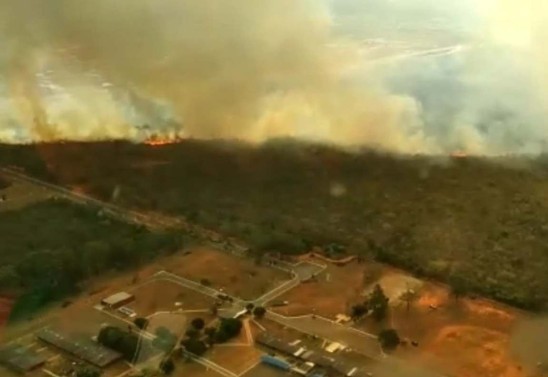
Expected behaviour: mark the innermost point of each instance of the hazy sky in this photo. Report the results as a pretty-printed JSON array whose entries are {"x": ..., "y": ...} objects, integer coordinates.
[{"x": 425, "y": 76}]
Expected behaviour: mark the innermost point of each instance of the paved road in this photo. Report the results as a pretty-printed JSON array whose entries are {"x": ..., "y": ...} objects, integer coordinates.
[
  {"x": 306, "y": 270},
  {"x": 301, "y": 271},
  {"x": 277, "y": 291}
]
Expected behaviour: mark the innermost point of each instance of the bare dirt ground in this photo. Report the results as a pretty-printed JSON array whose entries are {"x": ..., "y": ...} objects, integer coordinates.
[
  {"x": 290, "y": 334},
  {"x": 239, "y": 277},
  {"x": 481, "y": 352},
  {"x": 185, "y": 369},
  {"x": 236, "y": 359},
  {"x": 20, "y": 195},
  {"x": 239, "y": 354},
  {"x": 465, "y": 337},
  {"x": 161, "y": 295},
  {"x": 333, "y": 292},
  {"x": 174, "y": 322}
]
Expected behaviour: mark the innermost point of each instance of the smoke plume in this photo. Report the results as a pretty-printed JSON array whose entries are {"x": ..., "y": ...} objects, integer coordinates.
[{"x": 257, "y": 69}]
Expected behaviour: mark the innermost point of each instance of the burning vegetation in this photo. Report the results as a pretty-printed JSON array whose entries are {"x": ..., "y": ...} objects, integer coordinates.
[{"x": 159, "y": 140}]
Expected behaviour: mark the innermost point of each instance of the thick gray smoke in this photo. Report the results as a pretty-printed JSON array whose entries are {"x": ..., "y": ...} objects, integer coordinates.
[{"x": 255, "y": 69}]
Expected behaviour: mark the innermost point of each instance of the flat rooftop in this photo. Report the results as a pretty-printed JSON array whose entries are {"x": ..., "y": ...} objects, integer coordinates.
[
  {"x": 80, "y": 346},
  {"x": 117, "y": 298},
  {"x": 20, "y": 359}
]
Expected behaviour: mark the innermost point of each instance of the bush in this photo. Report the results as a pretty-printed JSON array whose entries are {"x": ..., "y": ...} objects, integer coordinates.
[
  {"x": 211, "y": 333},
  {"x": 165, "y": 339},
  {"x": 140, "y": 322},
  {"x": 192, "y": 333},
  {"x": 194, "y": 346},
  {"x": 389, "y": 339},
  {"x": 358, "y": 311},
  {"x": 198, "y": 323},
  {"x": 228, "y": 329},
  {"x": 377, "y": 302},
  {"x": 121, "y": 341},
  {"x": 167, "y": 366},
  {"x": 259, "y": 312}
]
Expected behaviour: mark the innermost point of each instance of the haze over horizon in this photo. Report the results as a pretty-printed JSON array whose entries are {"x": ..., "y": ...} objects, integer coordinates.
[{"x": 418, "y": 76}]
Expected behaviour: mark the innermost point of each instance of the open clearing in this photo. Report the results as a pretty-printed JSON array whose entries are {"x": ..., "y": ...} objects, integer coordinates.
[
  {"x": 236, "y": 359},
  {"x": 20, "y": 195},
  {"x": 464, "y": 337},
  {"x": 481, "y": 352},
  {"x": 333, "y": 292},
  {"x": 237, "y": 276},
  {"x": 174, "y": 322},
  {"x": 467, "y": 337},
  {"x": 239, "y": 354},
  {"x": 161, "y": 296},
  {"x": 184, "y": 369}
]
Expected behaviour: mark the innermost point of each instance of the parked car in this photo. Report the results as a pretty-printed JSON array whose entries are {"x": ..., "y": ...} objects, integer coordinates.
[{"x": 127, "y": 311}]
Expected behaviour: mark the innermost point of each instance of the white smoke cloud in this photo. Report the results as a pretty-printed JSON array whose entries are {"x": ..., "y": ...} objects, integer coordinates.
[{"x": 259, "y": 69}]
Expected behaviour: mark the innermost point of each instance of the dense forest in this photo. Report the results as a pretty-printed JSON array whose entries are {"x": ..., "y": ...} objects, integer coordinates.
[
  {"x": 480, "y": 224},
  {"x": 47, "y": 250}
]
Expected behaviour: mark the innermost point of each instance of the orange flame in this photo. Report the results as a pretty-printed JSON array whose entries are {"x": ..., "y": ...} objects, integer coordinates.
[{"x": 156, "y": 141}]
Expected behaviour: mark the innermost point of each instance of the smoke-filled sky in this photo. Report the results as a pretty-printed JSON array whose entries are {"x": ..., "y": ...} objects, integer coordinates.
[{"x": 427, "y": 76}]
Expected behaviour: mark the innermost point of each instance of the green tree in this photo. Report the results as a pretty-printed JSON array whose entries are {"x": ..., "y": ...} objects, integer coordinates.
[
  {"x": 167, "y": 366},
  {"x": 211, "y": 333},
  {"x": 119, "y": 340},
  {"x": 165, "y": 339},
  {"x": 389, "y": 339},
  {"x": 198, "y": 323},
  {"x": 358, "y": 311},
  {"x": 378, "y": 303},
  {"x": 141, "y": 322},
  {"x": 228, "y": 329},
  {"x": 194, "y": 346},
  {"x": 192, "y": 333},
  {"x": 459, "y": 286},
  {"x": 259, "y": 312}
]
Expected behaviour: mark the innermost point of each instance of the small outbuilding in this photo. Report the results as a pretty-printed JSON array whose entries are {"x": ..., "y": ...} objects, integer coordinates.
[{"x": 117, "y": 300}]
